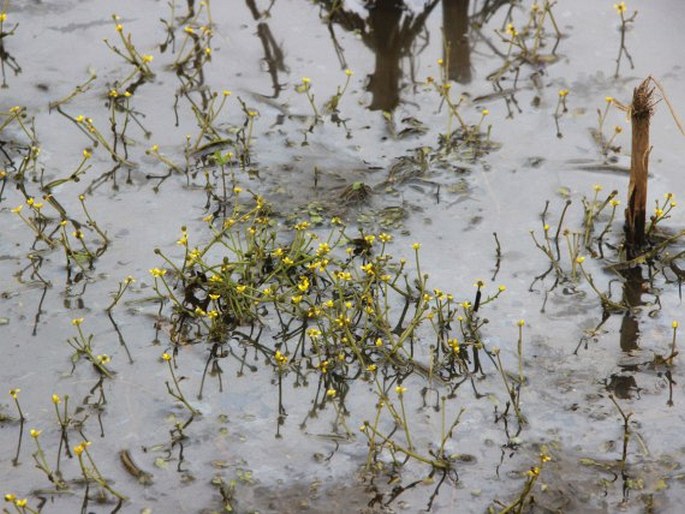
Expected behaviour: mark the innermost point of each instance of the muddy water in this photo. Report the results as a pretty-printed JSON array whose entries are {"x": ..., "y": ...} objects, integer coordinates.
[{"x": 453, "y": 208}]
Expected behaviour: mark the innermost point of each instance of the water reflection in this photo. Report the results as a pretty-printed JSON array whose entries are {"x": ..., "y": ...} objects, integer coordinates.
[
  {"x": 274, "y": 57},
  {"x": 632, "y": 297},
  {"x": 6, "y": 58},
  {"x": 391, "y": 31},
  {"x": 457, "y": 49}
]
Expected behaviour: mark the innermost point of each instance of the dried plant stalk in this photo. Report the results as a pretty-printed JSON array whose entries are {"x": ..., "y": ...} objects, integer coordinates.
[{"x": 641, "y": 111}]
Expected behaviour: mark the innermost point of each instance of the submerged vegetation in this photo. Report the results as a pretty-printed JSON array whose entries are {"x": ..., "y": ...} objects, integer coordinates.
[{"x": 284, "y": 331}]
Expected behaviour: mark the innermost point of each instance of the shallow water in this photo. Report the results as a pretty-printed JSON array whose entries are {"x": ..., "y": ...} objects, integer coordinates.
[{"x": 452, "y": 208}]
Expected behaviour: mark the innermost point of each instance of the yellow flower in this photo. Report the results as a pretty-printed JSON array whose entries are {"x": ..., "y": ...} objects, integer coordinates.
[
  {"x": 56, "y": 399},
  {"x": 3, "y": 16},
  {"x": 580, "y": 259},
  {"x": 609, "y": 99},
  {"x": 331, "y": 393},
  {"x": 166, "y": 357},
  {"x": 303, "y": 285},
  {"x": 485, "y": 112},
  {"x": 502, "y": 288},
  {"x": 17, "y": 209},
  {"x": 87, "y": 154},
  {"x": 208, "y": 51},
  {"x": 241, "y": 288},
  {"x": 14, "y": 393},
  {"x": 103, "y": 358},
  {"x": 521, "y": 322},
  {"x": 620, "y": 7},
  {"x": 9, "y": 497},
  {"x": 147, "y": 58},
  {"x": 280, "y": 359},
  {"x": 511, "y": 30},
  {"x": 343, "y": 275},
  {"x": 227, "y": 93},
  {"x": 77, "y": 321},
  {"x": 563, "y": 93},
  {"x": 400, "y": 390},
  {"x": 78, "y": 449},
  {"x": 21, "y": 503},
  {"x": 349, "y": 72},
  {"x": 157, "y": 272},
  {"x": 416, "y": 246},
  {"x": 119, "y": 27},
  {"x": 674, "y": 324},
  {"x": 368, "y": 268},
  {"x": 35, "y": 433},
  {"x": 78, "y": 234}
]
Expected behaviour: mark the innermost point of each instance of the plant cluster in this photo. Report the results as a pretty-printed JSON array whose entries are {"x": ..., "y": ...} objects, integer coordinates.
[{"x": 338, "y": 308}]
